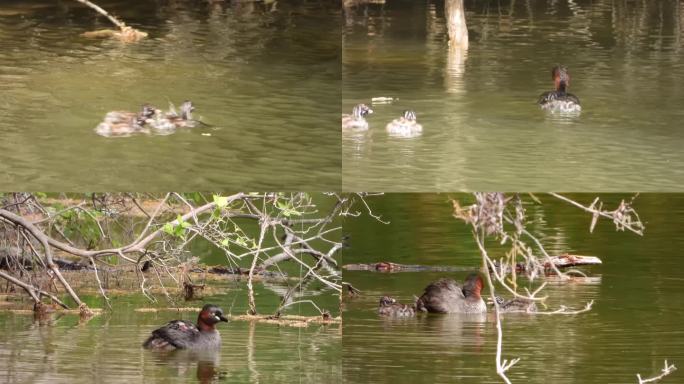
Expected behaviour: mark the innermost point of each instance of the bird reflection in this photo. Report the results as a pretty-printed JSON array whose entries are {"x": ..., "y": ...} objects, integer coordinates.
[{"x": 206, "y": 363}]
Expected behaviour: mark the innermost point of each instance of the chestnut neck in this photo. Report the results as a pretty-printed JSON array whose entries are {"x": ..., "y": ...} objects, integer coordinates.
[
  {"x": 472, "y": 287},
  {"x": 560, "y": 84},
  {"x": 203, "y": 325}
]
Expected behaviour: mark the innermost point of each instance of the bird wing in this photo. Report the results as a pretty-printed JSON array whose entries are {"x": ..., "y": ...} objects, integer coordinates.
[
  {"x": 179, "y": 333},
  {"x": 439, "y": 295}
]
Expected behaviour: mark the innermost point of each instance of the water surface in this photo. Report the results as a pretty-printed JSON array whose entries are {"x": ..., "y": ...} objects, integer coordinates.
[{"x": 482, "y": 128}]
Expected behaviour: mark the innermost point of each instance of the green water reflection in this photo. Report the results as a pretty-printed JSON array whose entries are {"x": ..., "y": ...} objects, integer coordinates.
[
  {"x": 267, "y": 80},
  {"x": 634, "y": 326},
  {"x": 482, "y": 128}
]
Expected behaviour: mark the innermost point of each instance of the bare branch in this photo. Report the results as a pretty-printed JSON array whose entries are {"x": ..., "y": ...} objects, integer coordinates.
[
  {"x": 668, "y": 369},
  {"x": 262, "y": 232},
  {"x": 501, "y": 367},
  {"x": 622, "y": 216},
  {"x": 31, "y": 290},
  {"x": 99, "y": 283}
]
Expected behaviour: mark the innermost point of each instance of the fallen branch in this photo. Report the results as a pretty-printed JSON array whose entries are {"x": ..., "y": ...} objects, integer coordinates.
[
  {"x": 563, "y": 310},
  {"x": 126, "y": 34},
  {"x": 34, "y": 292}
]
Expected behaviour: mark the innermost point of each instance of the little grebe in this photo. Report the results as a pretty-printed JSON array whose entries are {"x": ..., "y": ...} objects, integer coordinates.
[
  {"x": 389, "y": 307},
  {"x": 171, "y": 120},
  {"x": 560, "y": 100},
  {"x": 405, "y": 126},
  {"x": 446, "y": 296},
  {"x": 181, "y": 334},
  {"x": 357, "y": 119},
  {"x": 124, "y": 123}
]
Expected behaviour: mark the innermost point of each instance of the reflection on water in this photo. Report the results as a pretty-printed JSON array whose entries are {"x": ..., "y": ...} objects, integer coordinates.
[
  {"x": 179, "y": 363},
  {"x": 482, "y": 128},
  {"x": 633, "y": 326},
  {"x": 265, "y": 79}
]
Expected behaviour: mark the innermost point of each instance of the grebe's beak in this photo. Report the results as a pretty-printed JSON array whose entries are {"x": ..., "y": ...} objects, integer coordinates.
[{"x": 221, "y": 318}]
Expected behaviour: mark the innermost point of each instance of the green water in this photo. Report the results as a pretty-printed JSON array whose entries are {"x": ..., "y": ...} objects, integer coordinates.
[
  {"x": 267, "y": 80},
  {"x": 635, "y": 323},
  {"x": 481, "y": 127},
  {"x": 108, "y": 348}
]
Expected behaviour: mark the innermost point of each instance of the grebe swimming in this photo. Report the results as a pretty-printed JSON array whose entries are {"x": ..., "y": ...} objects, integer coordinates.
[
  {"x": 357, "y": 119},
  {"x": 405, "y": 126},
  {"x": 560, "y": 100}
]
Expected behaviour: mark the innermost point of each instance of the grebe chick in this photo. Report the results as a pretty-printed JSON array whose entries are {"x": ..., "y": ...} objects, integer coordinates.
[
  {"x": 405, "y": 126},
  {"x": 357, "y": 120}
]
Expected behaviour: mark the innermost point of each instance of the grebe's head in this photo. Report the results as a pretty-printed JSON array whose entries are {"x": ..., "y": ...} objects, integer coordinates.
[
  {"x": 498, "y": 299},
  {"x": 210, "y": 315},
  {"x": 473, "y": 285},
  {"x": 146, "y": 112},
  {"x": 409, "y": 115},
  {"x": 186, "y": 110},
  {"x": 386, "y": 300},
  {"x": 561, "y": 77},
  {"x": 361, "y": 110}
]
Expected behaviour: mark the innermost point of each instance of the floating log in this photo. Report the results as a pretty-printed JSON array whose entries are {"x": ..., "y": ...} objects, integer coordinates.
[
  {"x": 561, "y": 261},
  {"x": 223, "y": 270},
  {"x": 386, "y": 266}
]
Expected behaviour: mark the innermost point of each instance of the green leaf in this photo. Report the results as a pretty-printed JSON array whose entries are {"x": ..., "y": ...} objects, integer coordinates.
[
  {"x": 169, "y": 228},
  {"x": 221, "y": 201}
]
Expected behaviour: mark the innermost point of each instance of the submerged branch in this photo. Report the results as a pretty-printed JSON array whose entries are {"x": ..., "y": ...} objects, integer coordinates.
[
  {"x": 668, "y": 369},
  {"x": 563, "y": 310}
]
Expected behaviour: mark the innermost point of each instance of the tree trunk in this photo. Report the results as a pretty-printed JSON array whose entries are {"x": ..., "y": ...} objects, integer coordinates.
[{"x": 456, "y": 23}]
